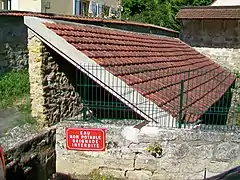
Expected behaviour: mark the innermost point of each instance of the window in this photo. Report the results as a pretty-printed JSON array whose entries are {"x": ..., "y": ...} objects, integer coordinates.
[
  {"x": 99, "y": 10},
  {"x": 94, "y": 9},
  {"x": 5, "y": 4},
  {"x": 84, "y": 8},
  {"x": 78, "y": 7}
]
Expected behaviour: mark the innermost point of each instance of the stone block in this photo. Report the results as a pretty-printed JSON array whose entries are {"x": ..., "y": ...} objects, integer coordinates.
[
  {"x": 77, "y": 165},
  {"x": 232, "y": 137},
  {"x": 226, "y": 151},
  {"x": 178, "y": 151},
  {"x": 201, "y": 152},
  {"x": 167, "y": 176},
  {"x": 212, "y": 137},
  {"x": 122, "y": 164},
  {"x": 145, "y": 162},
  {"x": 113, "y": 173},
  {"x": 193, "y": 176},
  {"x": 139, "y": 148},
  {"x": 217, "y": 167},
  {"x": 138, "y": 175},
  {"x": 190, "y": 136},
  {"x": 190, "y": 165},
  {"x": 166, "y": 164},
  {"x": 168, "y": 135},
  {"x": 236, "y": 162}
]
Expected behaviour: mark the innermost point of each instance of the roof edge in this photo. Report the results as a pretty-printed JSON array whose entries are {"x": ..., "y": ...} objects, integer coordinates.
[
  {"x": 210, "y": 7},
  {"x": 185, "y": 10},
  {"x": 130, "y": 97},
  {"x": 79, "y": 18}
]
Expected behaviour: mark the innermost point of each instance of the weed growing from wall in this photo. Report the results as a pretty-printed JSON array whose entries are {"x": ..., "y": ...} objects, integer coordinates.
[{"x": 155, "y": 150}]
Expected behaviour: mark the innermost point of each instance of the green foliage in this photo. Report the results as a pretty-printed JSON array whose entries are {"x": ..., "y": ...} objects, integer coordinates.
[
  {"x": 15, "y": 92},
  {"x": 238, "y": 75},
  {"x": 158, "y": 12},
  {"x": 13, "y": 86},
  {"x": 155, "y": 150}
]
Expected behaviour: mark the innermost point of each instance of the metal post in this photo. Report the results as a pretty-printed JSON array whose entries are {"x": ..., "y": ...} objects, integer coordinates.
[
  {"x": 181, "y": 103},
  {"x": 84, "y": 96},
  {"x": 205, "y": 174}
]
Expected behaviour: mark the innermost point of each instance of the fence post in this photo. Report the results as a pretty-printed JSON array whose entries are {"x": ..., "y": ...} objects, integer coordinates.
[
  {"x": 181, "y": 104},
  {"x": 84, "y": 96}
]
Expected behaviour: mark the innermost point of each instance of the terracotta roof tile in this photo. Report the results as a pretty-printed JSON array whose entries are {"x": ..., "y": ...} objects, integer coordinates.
[
  {"x": 154, "y": 66},
  {"x": 210, "y": 12},
  {"x": 82, "y": 19}
]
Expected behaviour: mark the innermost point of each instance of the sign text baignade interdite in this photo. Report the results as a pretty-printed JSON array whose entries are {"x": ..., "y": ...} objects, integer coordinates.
[{"x": 85, "y": 139}]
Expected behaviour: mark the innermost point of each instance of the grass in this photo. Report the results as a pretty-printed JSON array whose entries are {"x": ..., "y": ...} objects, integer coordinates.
[{"x": 15, "y": 93}]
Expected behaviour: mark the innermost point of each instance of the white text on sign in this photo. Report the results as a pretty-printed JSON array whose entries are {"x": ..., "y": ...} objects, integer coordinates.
[{"x": 85, "y": 140}]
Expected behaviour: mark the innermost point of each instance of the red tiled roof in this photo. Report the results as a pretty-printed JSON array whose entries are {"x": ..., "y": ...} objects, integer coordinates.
[
  {"x": 81, "y": 19},
  {"x": 153, "y": 65},
  {"x": 210, "y": 12}
]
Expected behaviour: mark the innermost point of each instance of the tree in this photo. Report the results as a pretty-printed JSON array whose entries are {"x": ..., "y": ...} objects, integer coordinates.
[{"x": 158, "y": 12}]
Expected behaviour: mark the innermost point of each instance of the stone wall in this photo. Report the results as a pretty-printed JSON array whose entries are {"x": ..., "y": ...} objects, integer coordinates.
[
  {"x": 13, "y": 43},
  {"x": 217, "y": 39},
  {"x": 29, "y": 154},
  {"x": 186, "y": 153},
  {"x": 53, "y": 96},
  {"x": 226, "y": 57},
  {"x": 211, "y": 33}
]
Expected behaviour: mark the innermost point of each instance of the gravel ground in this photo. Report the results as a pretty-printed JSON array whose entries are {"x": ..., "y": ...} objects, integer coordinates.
[
  {"x": 12, "y": 129},
  {"x": 9, "y": 118}
]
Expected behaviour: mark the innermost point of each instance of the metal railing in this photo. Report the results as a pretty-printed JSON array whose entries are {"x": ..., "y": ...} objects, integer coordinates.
[{"x": 168, "y": 98}]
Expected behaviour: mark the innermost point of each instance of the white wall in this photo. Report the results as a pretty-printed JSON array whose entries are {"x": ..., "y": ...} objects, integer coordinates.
[
  {"x": 226, "y": 3},
  {"x": 30, "y": 5},
  {"x": 15, "y": 5}
]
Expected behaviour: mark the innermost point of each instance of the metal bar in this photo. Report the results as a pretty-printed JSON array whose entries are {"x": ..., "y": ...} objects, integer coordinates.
[
  {"x": 181, "y": 103},
  {"x": 84, "y": 96}
]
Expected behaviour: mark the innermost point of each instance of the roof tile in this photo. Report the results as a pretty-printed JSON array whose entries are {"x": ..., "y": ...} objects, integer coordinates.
[
  {"x": 210, "y": 12},
  {"x": 154, "y": 66}
]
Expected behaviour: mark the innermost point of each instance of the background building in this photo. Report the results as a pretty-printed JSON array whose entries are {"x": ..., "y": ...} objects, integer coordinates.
[{"x": 96, "y": 8}]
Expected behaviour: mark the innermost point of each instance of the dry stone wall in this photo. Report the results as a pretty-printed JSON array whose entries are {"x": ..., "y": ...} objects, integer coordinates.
[
  {"x": 52, "y": 92},
  {"x": 211, "y": 33},
  {"x": 186, "y": 153},
  {"x": 217, "y": 39},
  {"x": 13, "y": 43},
  {"x": 29, "y": 153},
  {"x": 228, "y": 58}
]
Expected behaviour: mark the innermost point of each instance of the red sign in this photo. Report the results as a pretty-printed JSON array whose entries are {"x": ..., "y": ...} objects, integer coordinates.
[{"x": 84, "y": 139}]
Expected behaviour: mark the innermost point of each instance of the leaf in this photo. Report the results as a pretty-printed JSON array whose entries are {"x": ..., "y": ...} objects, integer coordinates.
[{"x": 158, "y": 12}]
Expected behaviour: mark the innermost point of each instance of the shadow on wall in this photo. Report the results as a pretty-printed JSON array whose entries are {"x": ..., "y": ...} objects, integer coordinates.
[
  {"x": 100, "y": 102},
  {"x": 13, "y": 44},
  {"x": 210, "y": 33},
  {"x": 217, "y": 114}
]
